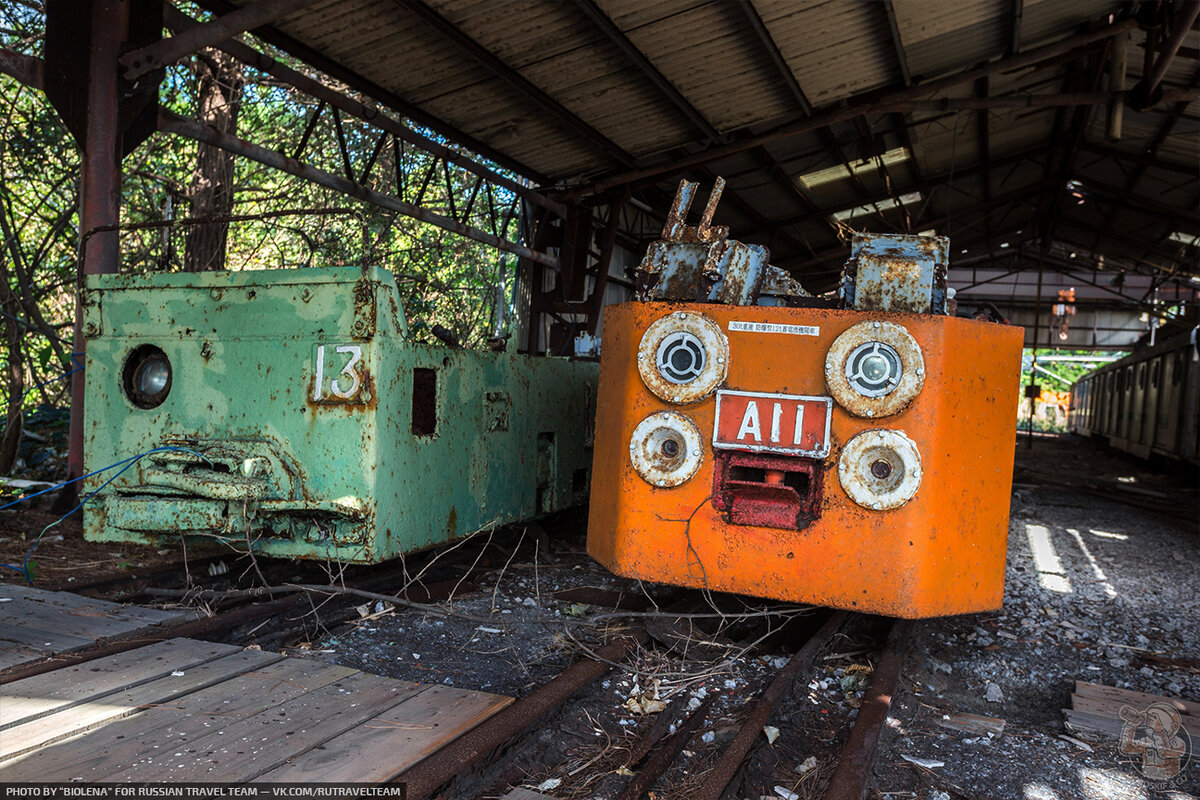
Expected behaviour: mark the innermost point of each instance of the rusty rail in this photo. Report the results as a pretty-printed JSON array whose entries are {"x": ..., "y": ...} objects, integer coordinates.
[
  {"x": 849, "y": 780},
  {"x": 731, "y": 760},
  {"x": 424, "y": 778},
  {"x": 661, "y": 761}
]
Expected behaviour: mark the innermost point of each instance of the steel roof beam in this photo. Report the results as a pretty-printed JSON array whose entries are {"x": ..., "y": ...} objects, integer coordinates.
[
  {"x": 516, "y": 80},
  {"x": 176, "y": 19},
  {"x": 870, "y": 103},
  {"x": 615, "y": 35},
  {"x": 1144, "y": 91},
  {"x": 376, "y": 92},
  {"x": 1138, "y": 159},
  {"x": 828, "y": 140},
  {"x": 1018, "y": 10},
  {"x": 902, "y": 120},
  {"x": 985, "y": 148},
  {"x": 1151, "y": 151},
  {"x": 170, "y": 122},
  {"x": 923, "y": 186},
  {"x": 167, "y": 51},
  {"x": 618, "y": 38}
]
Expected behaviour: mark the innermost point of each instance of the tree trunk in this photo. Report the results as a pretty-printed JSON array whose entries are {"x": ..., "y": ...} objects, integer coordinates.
[
  {"x": 12, "y": 422},
  {"x": 211, "y": 194}
]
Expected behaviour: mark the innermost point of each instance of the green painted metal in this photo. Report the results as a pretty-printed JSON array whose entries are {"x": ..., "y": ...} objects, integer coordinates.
[{"x": 309, "y": 426}]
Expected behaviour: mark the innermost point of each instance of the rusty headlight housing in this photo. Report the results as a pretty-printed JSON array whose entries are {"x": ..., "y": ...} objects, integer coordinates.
[
  {"x": 880, "y": 469},
  {"x": 666, "y": 449},
  {"x": 146, "y": 376},
  {"x": 874, "y": 369},
  {"x": 683, "y": 357}
]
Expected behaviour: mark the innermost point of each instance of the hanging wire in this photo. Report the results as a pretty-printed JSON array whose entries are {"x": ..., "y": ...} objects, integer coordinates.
[{"x": 125, "y": 464}]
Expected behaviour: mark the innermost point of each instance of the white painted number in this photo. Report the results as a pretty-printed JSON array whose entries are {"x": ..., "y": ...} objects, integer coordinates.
[{"x": 349, "y": 372}]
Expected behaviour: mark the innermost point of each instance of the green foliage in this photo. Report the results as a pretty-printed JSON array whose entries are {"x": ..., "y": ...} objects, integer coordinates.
[
  {"x": 1067, "y": 371},
  {"x": 445, "y": 280}
]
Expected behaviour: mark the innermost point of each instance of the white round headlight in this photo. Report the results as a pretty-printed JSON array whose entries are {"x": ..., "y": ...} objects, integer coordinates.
[
  {"x": 880, "y": 469},
  {"x": 874, "y": 369},
  {"x": 666, "y": 449},
  {"x": 683, "y": 357}
]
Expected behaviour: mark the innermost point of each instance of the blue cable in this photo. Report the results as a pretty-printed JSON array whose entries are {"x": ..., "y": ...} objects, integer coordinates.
[{"x": 128, "y": 462}]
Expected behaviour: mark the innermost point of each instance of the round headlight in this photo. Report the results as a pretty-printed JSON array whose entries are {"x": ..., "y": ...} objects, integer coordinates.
[
  {"x": 874, "y": 369},
  {"x": 147, "y": 376},
  {"x": 683, "y": 357},
  {"x": 666, "y": 449},
  {"x": 880, "y": 469}
]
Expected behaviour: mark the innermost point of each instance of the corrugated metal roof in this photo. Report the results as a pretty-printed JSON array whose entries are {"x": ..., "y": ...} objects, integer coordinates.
[{"x": 835, "y": 51}]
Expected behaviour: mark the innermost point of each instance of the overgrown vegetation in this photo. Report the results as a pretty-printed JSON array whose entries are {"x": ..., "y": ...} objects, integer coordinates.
[{"x": 445, "y": 280}]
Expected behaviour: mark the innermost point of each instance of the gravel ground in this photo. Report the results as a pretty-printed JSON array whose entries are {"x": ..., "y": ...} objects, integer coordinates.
[{"x": 1093, "y": 585}]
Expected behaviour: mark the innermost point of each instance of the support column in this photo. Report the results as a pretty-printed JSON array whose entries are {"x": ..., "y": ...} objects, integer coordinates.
[{"x": 99, "y": 194}]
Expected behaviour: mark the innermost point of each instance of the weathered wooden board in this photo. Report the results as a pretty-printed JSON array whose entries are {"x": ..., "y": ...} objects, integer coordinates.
[
  {"x": 388, "y": 744},
  {"x": 78, "y": 718},
  {"x": 197, "y": 712},
  {"x": 252, "y": 746},
  {"x": 35, "y": 623},
  {"x": 122, "y": 743},
  {"x": 62, "y": 688},
  {"x": 26, "y": 599},
  {"x": 1136, "y": 699}
]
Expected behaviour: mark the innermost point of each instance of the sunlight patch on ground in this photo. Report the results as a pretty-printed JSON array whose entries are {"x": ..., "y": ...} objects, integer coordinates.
[
  {"x": 1111, "y": 784},
  {"x": 1100, "y": 576},
  {"x": 1040, "y": 791},
  {"x": 1107, "y": 535},
  {"x": 1051, "y": 574}
]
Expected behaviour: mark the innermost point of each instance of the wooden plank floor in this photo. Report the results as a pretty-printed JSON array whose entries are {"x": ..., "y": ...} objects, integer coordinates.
[
  {"x": 35, "y": 623},
  {"x": 183, "y": 710}
]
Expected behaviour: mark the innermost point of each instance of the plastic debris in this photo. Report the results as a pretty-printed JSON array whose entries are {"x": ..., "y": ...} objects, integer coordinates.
[
  {"x": 927, "y": 763},
  {"x": 808, "y": 765},
  {"x": 549, "y": 783},
  {"x": 786, "y": 793},
  {"x": 772, "y": 733}
]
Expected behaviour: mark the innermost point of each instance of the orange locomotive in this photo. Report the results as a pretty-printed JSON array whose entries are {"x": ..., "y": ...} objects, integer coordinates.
[{"x": 857, "y": 457}]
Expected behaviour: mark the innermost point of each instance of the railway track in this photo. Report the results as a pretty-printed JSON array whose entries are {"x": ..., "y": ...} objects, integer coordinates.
[{"x": 658, "y": 748}]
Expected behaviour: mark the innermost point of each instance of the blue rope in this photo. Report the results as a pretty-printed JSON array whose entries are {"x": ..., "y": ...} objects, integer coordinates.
[{"x": 124, "y": 464}]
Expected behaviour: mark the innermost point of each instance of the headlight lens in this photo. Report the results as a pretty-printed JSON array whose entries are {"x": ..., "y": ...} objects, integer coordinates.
[
  {"x": 683, "y": 357},
  {"x": 874, "y": 369},
  {"x": 147, "y": 376}
]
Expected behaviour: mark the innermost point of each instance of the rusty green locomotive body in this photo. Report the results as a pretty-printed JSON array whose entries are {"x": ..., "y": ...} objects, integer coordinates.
[{"x": 287, "y": 409}]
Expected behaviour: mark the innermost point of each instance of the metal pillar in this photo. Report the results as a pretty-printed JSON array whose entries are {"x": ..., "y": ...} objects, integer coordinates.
[{"x": 100, "y": 191}]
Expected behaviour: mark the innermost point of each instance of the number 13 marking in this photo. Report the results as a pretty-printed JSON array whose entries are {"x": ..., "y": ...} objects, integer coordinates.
[{"x": 349, "y": 370}]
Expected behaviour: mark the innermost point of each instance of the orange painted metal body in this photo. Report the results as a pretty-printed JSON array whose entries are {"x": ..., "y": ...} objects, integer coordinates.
[{"x": 943, "y": 552}]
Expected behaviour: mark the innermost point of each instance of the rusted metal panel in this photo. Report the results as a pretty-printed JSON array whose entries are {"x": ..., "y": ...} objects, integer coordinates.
[
  {"x": 891, "y": 272},
  {"x": 302, "y": 420},
  {"x": 796, "y": 527},
  {"x": 700, "y": 262}
]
